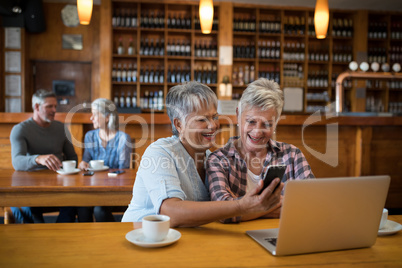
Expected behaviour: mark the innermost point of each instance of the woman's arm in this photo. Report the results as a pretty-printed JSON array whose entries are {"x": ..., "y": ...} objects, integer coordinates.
[{"x": 190, "y": 213}]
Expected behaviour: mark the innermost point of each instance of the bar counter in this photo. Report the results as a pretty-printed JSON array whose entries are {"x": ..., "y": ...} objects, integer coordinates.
[{"x": 335, "y": 146}]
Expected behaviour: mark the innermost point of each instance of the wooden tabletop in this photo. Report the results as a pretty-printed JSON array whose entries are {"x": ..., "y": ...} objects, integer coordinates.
[
  {"x": 48, "y": 188},
  {"x": 211, "y": 245}
]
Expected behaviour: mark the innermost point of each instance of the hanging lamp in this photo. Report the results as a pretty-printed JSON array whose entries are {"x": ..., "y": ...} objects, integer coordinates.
[
  {"x": 321, "y": 18},
  {"x": 84, "y": 11},
  {"x": 206, "y": 15}
]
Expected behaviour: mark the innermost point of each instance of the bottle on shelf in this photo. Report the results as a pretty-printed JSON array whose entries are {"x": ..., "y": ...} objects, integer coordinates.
[
  {"x": 114, "y": 72},
  {"x": 160, "y": 100},
  {"x": 240, "y": 76},
  {"x": 116, "y": 18},
  {"x": 122, "y": 18},
  {"x": 235, "y": 76},
  {"x": 116, "y": 99},
  {"x": 124, "y": 73},
  {"x": 122, "y": 100},
  {"x": 134, "y": 99},
  {"x": 214, "y": 78},
  {"x": 134, "y": 73},
  {"x": 246, "y": 74},
  {"x": 146, "y": 100},
  {"x": 131, "y": 48},
  {"x": 150, "y": 100},
  {"x": 252, "y": 73},
  {"x": 130, "y": 73},
  {"x": 118, "y": 73},
  {"x": 120, "y": 47},
  {"x": 155, "y": 101},
  {"x": 127, "y": 19},
  {"x": 128, "y": 99},
  {"x": 215, "y": 23},
  {"x": 144, "y": 20},
  {"x": 134, "y": 22}
]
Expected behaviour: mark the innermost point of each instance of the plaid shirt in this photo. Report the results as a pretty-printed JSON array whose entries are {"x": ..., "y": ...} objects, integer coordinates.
[{"x": 227, "y": 171}]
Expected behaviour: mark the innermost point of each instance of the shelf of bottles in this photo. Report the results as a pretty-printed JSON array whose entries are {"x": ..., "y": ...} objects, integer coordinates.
[
  {"x": 385, "y": 48},
  {"x": 395, "y": 56},
  {"x": 318, "y": 94},
  {"x": 269, "y": 44},
  {"x": 395, "y": 49},
  {"x": 157, "y": 46},
  {"x": 377, "y": 34},
  {"x": 244, "y": 49},
  {"x": 341, "y": 31}
]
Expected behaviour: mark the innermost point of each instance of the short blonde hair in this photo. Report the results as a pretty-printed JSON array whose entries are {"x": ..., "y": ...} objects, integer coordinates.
[{"x": 264, "y": 94}]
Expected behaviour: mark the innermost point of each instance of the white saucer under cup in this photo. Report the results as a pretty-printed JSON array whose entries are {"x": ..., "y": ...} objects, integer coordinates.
[{"x": 155, "y": 227}]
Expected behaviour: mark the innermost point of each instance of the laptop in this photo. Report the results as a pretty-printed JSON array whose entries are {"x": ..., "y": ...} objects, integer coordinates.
[{"x": 327, "y": 214}]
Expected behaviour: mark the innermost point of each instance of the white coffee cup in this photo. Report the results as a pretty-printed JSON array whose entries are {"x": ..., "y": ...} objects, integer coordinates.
[
  {"x": 96, "y": 164},
  {"x": 155, "y": 227},
  {"x": 69, "y": 165},
  {"x": 384, "y": 218}
]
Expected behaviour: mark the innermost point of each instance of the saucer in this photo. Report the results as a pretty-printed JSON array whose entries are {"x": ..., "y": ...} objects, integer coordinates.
[
  {"x": 62, "y": 172},
  {"x": 99, "y": 169},
  {"x": 137, "y": 237},
  {"x": 390, "y": 227}
]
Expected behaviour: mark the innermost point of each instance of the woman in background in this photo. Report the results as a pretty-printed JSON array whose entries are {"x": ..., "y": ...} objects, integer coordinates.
[{"x": 106, "y": 143}]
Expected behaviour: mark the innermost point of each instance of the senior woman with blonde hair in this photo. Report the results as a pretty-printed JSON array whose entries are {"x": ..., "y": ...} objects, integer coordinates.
[
  {"x": 170, "y": 179},
  {"x": 106, "y": 142},
  {"x": 238, "y": 167}
]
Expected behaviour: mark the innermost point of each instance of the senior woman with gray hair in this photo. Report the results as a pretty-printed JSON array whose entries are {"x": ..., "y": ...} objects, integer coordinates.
[
  {"x": 170, "y": 179},
  {"x": 238, "y": 167},
  {"x": 106, "y": 143}
]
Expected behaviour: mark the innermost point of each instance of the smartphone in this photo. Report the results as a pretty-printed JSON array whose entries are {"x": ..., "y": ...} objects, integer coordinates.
[
  {"x": 115, "y": 172},
  {"x": 88, "y": 173},
  {"x": 272, "y": 173}
]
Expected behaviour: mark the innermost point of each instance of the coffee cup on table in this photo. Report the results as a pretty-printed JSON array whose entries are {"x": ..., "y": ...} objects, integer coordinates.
[
  {"x": 384, "y": 218},
  {"x": 155, "y": 227},
  {"x": 69, "y": 165},
  {"x": 96, "y": 164}
]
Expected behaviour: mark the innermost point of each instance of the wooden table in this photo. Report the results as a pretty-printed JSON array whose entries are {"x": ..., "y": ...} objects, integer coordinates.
[
  {"x": 48, "y": 188},
  {"x": 211, "y": 245}
]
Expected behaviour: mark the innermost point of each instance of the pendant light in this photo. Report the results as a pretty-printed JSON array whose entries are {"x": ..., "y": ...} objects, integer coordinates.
[
  {"x": 84, "y": 11},
  {"x": 206, "y": 15},
  {"x": 321, "y": 18}
]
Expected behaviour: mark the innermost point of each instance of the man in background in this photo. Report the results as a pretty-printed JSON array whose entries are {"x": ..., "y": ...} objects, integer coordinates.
[{"x": 38, "y": 143}]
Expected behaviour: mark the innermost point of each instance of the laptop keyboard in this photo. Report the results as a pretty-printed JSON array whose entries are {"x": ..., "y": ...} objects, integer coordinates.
[{"x": 271, "y": 240}]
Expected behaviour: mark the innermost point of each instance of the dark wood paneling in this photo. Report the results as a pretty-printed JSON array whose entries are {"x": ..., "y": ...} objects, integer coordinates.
[
  {"x": 47, "y": 46},
  {"x": 80, "y": 73}
]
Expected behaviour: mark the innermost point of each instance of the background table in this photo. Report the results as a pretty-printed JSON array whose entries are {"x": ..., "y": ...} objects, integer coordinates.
[
  {"x": 48, "y": 188},
  {"x": 211, "y": 245}
]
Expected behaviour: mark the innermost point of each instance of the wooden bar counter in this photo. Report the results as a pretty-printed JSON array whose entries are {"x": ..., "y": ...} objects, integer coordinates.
[
  {"x": 335, "y": 146},
  {"x": 210, "y": 245}
]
